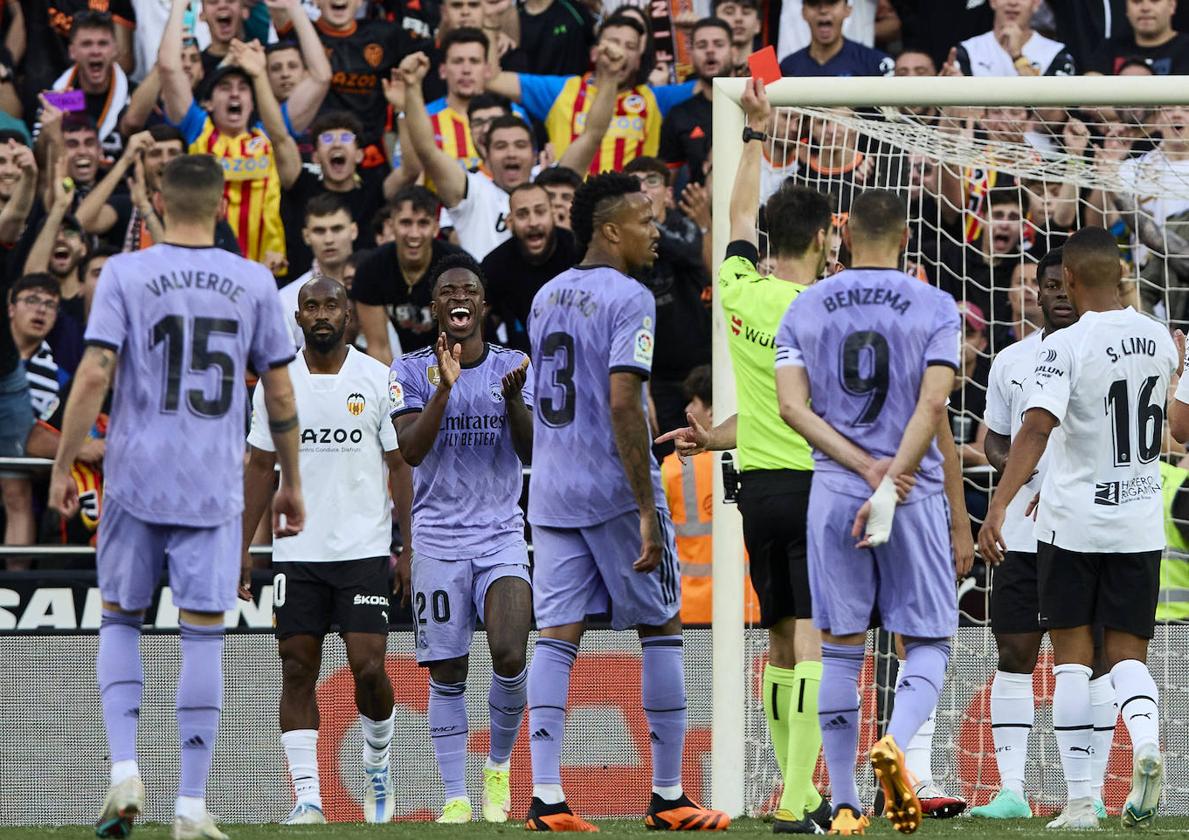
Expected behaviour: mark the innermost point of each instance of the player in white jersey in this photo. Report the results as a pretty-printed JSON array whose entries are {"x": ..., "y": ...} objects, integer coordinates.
[
  {"x": 1014, "y": 608},
  {"x": 1100, "y": 518},
  {"x": 181, "y": 321},
  {"x": 335, "y": 573}
]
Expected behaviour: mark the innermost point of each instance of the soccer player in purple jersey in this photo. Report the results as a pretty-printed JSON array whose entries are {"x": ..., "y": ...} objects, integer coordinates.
[
  {"x": 463, "y": 414},
  {"x": 876, "y": 350},
  {"x": 180, "y": 323},
  {"x": 602, "y": 536}
]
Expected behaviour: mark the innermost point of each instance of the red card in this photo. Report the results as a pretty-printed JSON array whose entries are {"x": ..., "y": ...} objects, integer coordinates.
[{"x": 764, "y": 65}]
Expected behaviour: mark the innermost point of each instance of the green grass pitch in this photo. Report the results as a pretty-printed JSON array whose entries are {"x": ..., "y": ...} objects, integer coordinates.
[{"x": 982, "y": 829}]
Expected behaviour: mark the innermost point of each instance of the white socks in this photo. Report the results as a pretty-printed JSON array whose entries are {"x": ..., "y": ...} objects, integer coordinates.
[
  {"x": 919, "y": 754},
  {"x": 1013, "y": 712},
  {"x": 1103, "y": 713},
  {"x": 121, "y": 770},
  {"x": 301, "y": 751},
  {"x": 377, "y": 738},
  {"x": 192, "y": 808},
  {"x": 1137, "y": 697},
  {"x": 1072, "y": 724},
  {"x": 549, "y": 794}
]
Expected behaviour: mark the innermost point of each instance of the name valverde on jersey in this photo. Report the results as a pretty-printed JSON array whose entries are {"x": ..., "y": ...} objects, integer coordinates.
[
  {"x": 1105, "y": 379},
  {"x": 185, "y": 338},
  {"x": 466, "y": 492}
]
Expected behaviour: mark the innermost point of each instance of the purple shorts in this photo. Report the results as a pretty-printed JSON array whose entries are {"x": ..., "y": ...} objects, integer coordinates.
[
  {"x": 448, "y": 598},
  {"x": 906, "y": 586},
  {"x": 585, "y": 571},
  {"x": 204, "y": 563}
]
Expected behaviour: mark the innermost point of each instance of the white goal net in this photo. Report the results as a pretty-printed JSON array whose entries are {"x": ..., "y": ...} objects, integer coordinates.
[{"x": 994, "y": 176}]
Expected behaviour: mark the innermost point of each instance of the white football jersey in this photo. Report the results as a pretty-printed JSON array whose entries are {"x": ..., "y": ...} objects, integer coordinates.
[
  {"x": 988, "y": 57},
  {"x": 481, "y": 218},
  {"x": 1008, "y": 385},
  {"x": 1105, "y": 379},
  {"x": 345, "y": 432}
]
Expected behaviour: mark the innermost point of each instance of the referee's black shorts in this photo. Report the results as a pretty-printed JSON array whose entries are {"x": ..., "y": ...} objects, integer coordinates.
[
  {"x": 1117, "y": 590},
  {"x": 773, "y": 504}
]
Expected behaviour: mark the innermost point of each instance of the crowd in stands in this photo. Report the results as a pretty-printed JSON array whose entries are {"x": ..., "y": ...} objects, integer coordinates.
[{"x": 365, "y": 139}]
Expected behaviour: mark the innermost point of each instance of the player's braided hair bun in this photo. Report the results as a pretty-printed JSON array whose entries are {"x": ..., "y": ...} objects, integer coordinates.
[
  {"x": 608, "y": 187},
  {"x": 456, "y": 260}
]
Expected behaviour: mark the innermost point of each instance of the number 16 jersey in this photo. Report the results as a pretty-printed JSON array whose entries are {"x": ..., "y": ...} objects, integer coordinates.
[
  {"x": 865, "y": 337},
  {"x": 585, "y": 324},
  {"x": 1105, "y": 379}
]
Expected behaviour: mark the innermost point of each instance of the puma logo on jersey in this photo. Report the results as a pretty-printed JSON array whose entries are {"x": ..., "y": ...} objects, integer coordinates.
[{"x": 1018, "y": 384}]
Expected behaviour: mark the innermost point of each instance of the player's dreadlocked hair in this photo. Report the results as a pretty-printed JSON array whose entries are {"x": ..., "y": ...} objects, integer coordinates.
[
  {"x": 460, "y": 260},
  {"x": 594, "y": 199}
]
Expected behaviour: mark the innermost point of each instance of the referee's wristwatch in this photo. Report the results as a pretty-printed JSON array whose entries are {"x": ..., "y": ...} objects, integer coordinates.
[{"x": 751, "y": 134}]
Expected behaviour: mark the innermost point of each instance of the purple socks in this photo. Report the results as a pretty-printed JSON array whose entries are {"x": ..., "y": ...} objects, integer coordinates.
[
  {"x": 662, "y": 688},
  {"x": 199, "y": 703},
  {"x": 121, "y": 678},
  {"x": 548, "y": 690},
  {"x": 838, "y": 714},
  {"x": 448, "y": 731},
  {"x": 918, "y": 687}
]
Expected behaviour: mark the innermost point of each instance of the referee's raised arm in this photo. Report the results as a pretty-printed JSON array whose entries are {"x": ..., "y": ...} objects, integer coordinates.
[{"x": 745, "y": 194}]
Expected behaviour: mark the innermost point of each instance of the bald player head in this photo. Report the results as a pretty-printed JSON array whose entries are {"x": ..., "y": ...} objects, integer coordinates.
[
  {"x": 1091, "y": 269},
  {"x": 876, "y": 229},
  {"x": 323, "y": 313}
]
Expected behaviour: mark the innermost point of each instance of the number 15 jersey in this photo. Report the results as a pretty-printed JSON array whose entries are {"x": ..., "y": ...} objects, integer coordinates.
[
  {"x": 1105, "y": 379},
  {"x": 186, "y": 323},
  {"x": 865, "y": 337},
  {"x": 585, "y": 324}
]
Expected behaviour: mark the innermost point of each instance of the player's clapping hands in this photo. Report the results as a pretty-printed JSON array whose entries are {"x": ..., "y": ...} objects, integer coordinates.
[
  {"x": 449, "y": 362},
  {"x": 513, "y": 382}
]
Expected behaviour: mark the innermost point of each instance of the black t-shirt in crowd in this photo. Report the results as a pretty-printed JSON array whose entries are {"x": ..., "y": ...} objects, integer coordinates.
[
  {"x": 1083, "y": 26},
  {"x": 557, "y": 41},
  {"x": 968, "y": 403},
  {"x": 936, "y": 26},
  {"x": 685, "y": 135},
  {"x": 378, "y": 282},
  {"x": 360, "y": 57},
  {"x": 1170, "y": 59},
  {"x": 677, "y": 281},
  {"x": 513, "y": 281},
  {"x": 364, "y": 202}
]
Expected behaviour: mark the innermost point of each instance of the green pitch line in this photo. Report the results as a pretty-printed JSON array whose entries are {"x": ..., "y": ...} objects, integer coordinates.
[{"x": 980, "y": 829}]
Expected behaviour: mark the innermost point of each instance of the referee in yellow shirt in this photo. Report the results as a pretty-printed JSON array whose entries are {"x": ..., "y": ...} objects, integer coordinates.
[{"x": 776, "y": 464}]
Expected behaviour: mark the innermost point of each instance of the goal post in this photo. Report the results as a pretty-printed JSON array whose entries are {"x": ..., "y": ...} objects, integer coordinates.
[{"x": 882, "y": 111}]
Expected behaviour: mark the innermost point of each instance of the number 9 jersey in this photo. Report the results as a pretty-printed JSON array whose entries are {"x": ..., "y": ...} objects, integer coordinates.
[
  {"x": 585, "y": 324},
  {"x": 1105, "y": 379},
  {"x": 865, "y": 337}
]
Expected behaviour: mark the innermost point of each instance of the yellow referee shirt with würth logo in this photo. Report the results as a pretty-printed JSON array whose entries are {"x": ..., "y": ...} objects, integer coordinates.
[{"x": 753, "y": 306}]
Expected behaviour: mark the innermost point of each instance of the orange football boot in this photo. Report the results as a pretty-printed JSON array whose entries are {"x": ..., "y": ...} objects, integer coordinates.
[
  {"x": 848, "y": 822},
  {"x": 901, "y": 805},
  {"x": 683, "y": 815},
  {"x": 559, "y": 817}
]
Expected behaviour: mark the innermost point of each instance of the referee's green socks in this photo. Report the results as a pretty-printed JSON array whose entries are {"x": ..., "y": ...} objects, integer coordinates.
[{"x": 790, "y": 703}]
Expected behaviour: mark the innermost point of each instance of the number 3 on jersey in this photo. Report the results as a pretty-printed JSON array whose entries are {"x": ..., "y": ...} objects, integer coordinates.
[{"x": 557, "y": 408}]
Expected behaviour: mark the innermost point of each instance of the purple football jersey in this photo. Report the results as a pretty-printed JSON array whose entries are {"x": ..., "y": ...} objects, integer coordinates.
[
  {"x": 466, "y": 493},
  {"x": 186, "y": 323},
  {"x": 865, "y": 337},
  {"x": 585, "y": 324}
]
